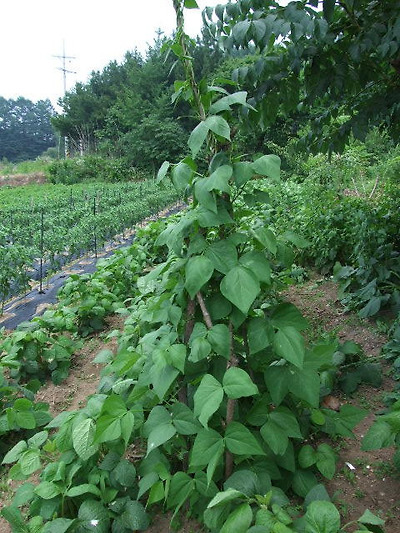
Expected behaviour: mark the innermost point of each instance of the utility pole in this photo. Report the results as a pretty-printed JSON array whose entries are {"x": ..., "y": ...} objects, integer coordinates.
[{"x": 65, "y": 71}]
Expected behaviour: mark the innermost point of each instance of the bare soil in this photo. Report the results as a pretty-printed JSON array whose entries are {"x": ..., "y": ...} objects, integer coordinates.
[
  {"x": 16, "y": 180},
  {"x": 364, "y": 480}
]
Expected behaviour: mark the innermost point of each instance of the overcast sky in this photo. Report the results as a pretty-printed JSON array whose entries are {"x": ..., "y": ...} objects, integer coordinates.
[{"x": 95, "y": 32}]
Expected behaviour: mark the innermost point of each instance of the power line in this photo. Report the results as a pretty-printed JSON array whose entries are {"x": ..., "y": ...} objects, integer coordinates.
[{"x": 64, "y": 69}]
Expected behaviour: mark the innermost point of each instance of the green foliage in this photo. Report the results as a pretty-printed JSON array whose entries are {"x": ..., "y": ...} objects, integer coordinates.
[
  {"x": 91, "y": 168},
  {"x": 25, "y": 128}
]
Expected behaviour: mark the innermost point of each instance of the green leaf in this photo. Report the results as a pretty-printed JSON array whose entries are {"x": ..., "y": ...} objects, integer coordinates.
[
  {"x": 305, "y": 384},
  {"x": 225, "y": 497},
  {"x": 184, "y": 420},
  {"x": 24, "y": 494},
  {"x": 265, "y": 237},
  {"x": 124, "y": 473},
  {"x": 207, "y": 445},
  {"x": 277, "y": 378},
  {"x": 82, "y": 439},
  {"x": 239, "y": 521},
  {"x": 204, "y": 196},
  {"x": 108, "y": 428},
  {"x": 322, "y": 517},
  {"x": 303, "y": 482},
  {"x": 268, "y": 165},
  {"x": 289, "y": 344},
  {"x": 86, "y": 488},
  {"x": 287, "y": 314},
  {"x": 242, "y": 173},
  {"x": 114, "y": 405},
  {"x": 223, "y": 255},
  {"x": 238, "y": 384},
  {"x": 240, "y": 287},
  {"x": 15, "y": 453},
  {"x": 163, "y": 171},
  {"x": 180, "y": 489},
  {"x": 240, "y": 441},
  {"x": 158, "y": 428},
  {"x": 14, "y": 517},
  {"x": 199, "y": 270},
  {"x": 181, "y": 176},
  {"x": 328, "y": 9},
  {"x": 371, "y": 519},
  {"x": 219, "y": 126},
  {"x": 244, "y": 481},
  {"x": 258, "y": 264},
  {"x": 219, "y": 338},
  {"x": 197, "y": 137},
  {"x": 259, "y": 334},
  {"x": 30, "y": 462},
  {"x": 176, "y": 356},
  {"x": 59, "y": 525},
  {"x": 380, "y": 435},
  {"x": 326, "y": 461},
  {"x": 317, "y": 493},
  {"x": 275, "y": 437},
  {"x": 162, "y": 379},
  {"x": 286, "y": 420},
  {"x": 207, "y": 398},
  {"x": 307, "y": 456},
  {"x": 200, "y": 349},
  {"x": 190, "y": 4},
  {"x": 135, "y": 517},
  {"x": 93, "y": 510},
  {"x": 219, "y": 179},
  {"x": 47, "y": 490}
]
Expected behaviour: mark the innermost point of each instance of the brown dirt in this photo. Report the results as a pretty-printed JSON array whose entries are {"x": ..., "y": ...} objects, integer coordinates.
[{"x": 16, "y": 180}]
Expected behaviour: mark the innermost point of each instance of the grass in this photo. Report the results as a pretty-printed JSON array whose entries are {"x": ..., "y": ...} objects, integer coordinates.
[{"x": 24, "y": 167}]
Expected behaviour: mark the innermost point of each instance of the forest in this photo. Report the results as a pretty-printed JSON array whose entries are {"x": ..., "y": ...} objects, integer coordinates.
[{"x": 223, "y": 401}]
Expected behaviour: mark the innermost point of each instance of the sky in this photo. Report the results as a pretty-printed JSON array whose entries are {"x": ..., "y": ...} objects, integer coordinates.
[{"x": 95, "y": 32}]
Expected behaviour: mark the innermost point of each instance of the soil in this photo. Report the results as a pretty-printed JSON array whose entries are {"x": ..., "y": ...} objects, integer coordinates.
[
  {"x": 364, "y": 480},
  {"x": 15, "y": 180}
]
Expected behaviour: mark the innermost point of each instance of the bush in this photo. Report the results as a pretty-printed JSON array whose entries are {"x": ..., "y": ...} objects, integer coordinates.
[{"x": 91, "y": 168}]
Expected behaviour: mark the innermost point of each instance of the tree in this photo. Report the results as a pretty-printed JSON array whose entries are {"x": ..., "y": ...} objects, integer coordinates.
[
  {"x": 343, "y": 60},
  {"x": 25, "y": 128}
]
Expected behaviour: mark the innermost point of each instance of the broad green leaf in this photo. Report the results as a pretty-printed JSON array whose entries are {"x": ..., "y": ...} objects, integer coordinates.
[
  {"x": 317, "y": 493},
  {"x": 258, "y": 264},
  {"x": 326, "y": 461},
  {"x": 268, "y": 165},
  {"x": 370, "y": 519},
  {"x": 180, "y": 490},
  {"x": 94, "y": 510},
  {"x": 59, "y": 525},
  {"x": 289, "y": 344},
  {"x": 157, "y": 493},
  {"x": 219, "y": 338},
  {"x": 240, "y": 30},
  {"x": 242, "y": 173},
  {"x": 275, "y": 437},
  {"x": 135, "y": 517},
  {"x": 14, "y": 517},
  {"x": 223, "y": 255},
  {"x": 322, "y": 517},
  {"x": 244, "y": 481},
  {"x": 82, "y": 439},
  {"x": 204, "y": 196},
  {"x": 380, "y": 435},
  {"x": 259, "y": 334},
  {"x": 163, "y": 171},
  {"x": 162, "y": 379},
  {"x": 108, "y": 428},
  {"x": 219, "y": 126},
  {"x": 181, "y": 176},
  {"x": 225, "y": 103},
  {"x": 328, "y": 9},
  {"x": 159, "y": 436},
  {"x": 24, "y": 494},
  {"x": 30, "y": 462},
  {"x": 176, "y": 356},
  {"x": 114, "y": 405},
  {"x": 124, "y": 473},
  {"x": 197, "y": 137},
  {"x": 199, "y": 270},
  {"x": 190, "y": 4},
  {"x": 239, "y": 520},
  {"x": 78, "y": 490},
  {"x": 225, "y": 497},
  {"x": 303, "y": 482},
  {"x": 277, "y": 380},
  {"x": 285, "y": 419},
  {"x": 305, "y": 384},
  {"x": 47, "y": 490},
  {"x": 15, "y": 453},
  {"x": 238, "y": 384},
  {"x": 287, "y": 314},
  {"x": 240, "y": 287},
  {"x": 200, "y": 349},
  {"x": 266, "y": 238},
  {"x": 184, "y": 420},
  {"x": 208, "y": 447},
  {"x": 219, "y": 179},
  {"x": 207, "y": 398},
  {"x": 307, "y": 456},
  {"x": 240, "y": 441}
]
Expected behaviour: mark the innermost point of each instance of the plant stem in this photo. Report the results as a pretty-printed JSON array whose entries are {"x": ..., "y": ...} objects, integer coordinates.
[
  {"x": 230, "y": 406},
  {"x": 206, "y": 314}
]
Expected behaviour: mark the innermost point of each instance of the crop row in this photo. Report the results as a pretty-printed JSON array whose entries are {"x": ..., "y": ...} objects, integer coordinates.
[{"x": 54, "y": 229}]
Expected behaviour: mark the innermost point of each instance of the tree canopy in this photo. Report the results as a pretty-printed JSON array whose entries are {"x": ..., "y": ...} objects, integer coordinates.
[{"x": 25, "y": 128}]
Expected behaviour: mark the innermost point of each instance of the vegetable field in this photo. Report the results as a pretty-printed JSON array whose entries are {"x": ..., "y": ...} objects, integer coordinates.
[{"x": 44, "y": 227}]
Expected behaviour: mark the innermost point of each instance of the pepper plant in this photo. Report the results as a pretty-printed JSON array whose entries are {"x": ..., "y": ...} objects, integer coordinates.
[{"x": 213, "y": 391}]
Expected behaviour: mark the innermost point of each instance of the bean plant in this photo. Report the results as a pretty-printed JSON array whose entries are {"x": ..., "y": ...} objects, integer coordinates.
[{"x": 213, "y": 392}]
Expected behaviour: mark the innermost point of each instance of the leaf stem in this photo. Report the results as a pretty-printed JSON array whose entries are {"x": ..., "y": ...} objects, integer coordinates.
[
  {"x": 204, "y": 310},
  {"x": 230, "y": 406}
]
